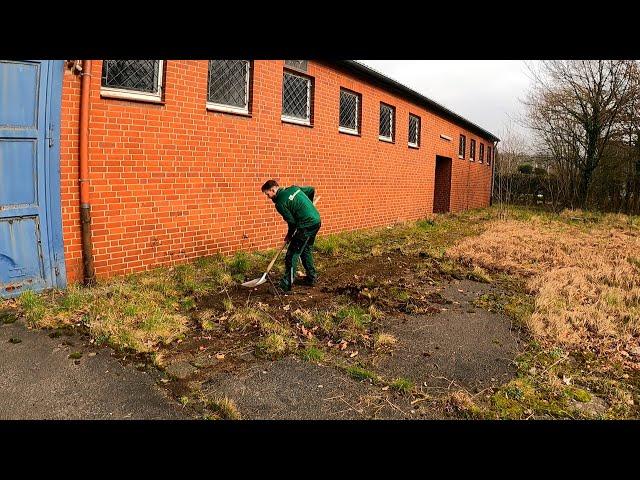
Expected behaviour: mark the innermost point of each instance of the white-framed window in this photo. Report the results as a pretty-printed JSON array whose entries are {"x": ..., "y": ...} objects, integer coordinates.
[
  {"x": 387, "y": 112},
  {"x": 472, "y": 151},
  {"x": 349, "y": 121},
  {"x": 296, "y": 99},
  {"x": 132, "y": 79},
  {"x": 414, "y": 131},
  {"x": 228, "y": 86},
  {"x": 462, "y": 146},
  {"x": 481, "y": 159}
]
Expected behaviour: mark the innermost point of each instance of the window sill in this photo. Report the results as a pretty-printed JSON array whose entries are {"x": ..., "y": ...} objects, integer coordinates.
[
  {"x": 385, "y": 139},
  {"x": 349, "y": 132},
  {"x": 212, "y": 107},
  {"x": 295, "y": 121},
  {"x": 461, "y": 156},
  {"x": 414, "y": 146},
  {"x": 131, "y": 96}
]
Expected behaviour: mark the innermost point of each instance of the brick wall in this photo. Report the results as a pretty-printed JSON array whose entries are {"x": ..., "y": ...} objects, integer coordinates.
[{"x": 174, "y": 181}]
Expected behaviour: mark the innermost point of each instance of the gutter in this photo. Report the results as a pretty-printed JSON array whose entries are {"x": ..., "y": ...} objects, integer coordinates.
[{"x": 397, "y": 87}]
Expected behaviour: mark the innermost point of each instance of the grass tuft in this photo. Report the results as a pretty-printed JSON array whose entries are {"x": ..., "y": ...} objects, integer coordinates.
[
  {"x": 402, "y": 385},
  {"x": 273, "y": 346},
  {"x": 360, "y": 373},
  {"x": 312, "y": 354},
  {"x": 384, "y": 341},
  {"x": 224, "y": 408}
]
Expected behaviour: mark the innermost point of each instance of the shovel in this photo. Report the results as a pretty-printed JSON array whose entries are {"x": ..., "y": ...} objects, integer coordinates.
[{"x": 259, "y": 281}]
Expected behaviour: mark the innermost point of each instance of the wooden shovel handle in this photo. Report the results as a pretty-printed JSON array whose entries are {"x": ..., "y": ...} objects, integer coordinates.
[{"x": 276, "y": 257}]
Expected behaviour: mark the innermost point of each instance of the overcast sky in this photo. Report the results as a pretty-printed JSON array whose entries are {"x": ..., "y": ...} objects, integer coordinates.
[{"x": 486, "y": 92}]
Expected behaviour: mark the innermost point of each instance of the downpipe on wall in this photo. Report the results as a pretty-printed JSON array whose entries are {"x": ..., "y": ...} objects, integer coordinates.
[{"x": 85, "y": 203}]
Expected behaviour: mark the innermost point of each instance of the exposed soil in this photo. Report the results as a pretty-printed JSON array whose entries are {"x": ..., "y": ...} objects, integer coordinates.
[{"x": 444, "y": 342}]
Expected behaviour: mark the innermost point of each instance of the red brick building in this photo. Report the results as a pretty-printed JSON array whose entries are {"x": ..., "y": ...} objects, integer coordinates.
[{"x": 178, "y": 150}]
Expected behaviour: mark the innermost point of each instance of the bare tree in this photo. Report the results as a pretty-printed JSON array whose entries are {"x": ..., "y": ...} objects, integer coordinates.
[
  {"x": 510, "y": 154},
  {"x": 575, "y": 107}
]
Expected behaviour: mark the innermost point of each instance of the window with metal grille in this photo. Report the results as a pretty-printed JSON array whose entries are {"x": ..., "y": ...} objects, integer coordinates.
[
  {"x": 296, "y": 99},
  {"x": 481, "y": 159},
  {"x": 414, "y": 131},
  {"x": 472, "y": 151},
  {"x": 297, "y": 64},
  {"x": 386, "y": 122},
  {"x": 488, "y": 155},
  {"x": 462, "y": 147},
  {"x": 229, "y": 85},
  {"x": 349, "y": 111},
  {"x": 136, "y": 79}
]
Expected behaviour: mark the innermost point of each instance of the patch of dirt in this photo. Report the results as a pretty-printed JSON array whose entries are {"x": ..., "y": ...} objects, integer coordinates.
[{"x": 443, "y": 340}]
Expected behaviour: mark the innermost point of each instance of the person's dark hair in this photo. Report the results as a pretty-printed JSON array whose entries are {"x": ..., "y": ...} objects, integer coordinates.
[{"x": 268, "y": 184}]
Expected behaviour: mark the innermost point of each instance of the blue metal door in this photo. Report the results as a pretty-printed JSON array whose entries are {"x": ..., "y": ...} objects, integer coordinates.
[{"x": 30, "y": 223}]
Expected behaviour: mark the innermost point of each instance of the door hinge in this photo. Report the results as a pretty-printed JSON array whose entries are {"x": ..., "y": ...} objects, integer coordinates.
[{"x": 50, "y": 136}]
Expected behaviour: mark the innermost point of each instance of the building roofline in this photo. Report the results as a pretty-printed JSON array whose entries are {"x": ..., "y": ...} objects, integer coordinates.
[{"x": 411, "y": 94}]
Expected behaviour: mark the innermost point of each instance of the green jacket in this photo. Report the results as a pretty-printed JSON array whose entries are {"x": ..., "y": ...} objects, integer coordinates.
[{"x": 295, "y": 204}]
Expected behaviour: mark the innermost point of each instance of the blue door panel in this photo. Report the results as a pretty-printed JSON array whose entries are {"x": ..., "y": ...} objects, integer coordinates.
[
  {"x": 19, "y": 88},
  {"x": 30, "y": 227},
  {"x": 18, "y": 164},
  {"x": 20, "y": 256}
]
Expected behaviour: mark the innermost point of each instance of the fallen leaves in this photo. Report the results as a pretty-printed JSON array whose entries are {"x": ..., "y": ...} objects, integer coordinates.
[
  {"x": 342, "y": 344},
  {"x": 307, "y": 333}
]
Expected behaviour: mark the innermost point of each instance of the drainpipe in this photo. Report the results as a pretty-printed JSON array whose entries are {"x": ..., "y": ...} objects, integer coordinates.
[{"x": 85, "y": 204}]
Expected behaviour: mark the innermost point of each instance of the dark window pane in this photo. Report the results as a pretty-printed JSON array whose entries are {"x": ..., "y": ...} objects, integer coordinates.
[
  {"x": 228, "y": 82},
  {"x": 414, "y": 130},
  {"x": 295, "y": 96},
  {"x": 138, "y": 75},
  {"x": 348, "y": 110},
  {"x": 386, "y": 119}
]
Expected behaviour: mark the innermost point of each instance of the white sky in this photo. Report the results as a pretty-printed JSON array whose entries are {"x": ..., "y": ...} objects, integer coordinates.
[{"x": 486, "y": 92}]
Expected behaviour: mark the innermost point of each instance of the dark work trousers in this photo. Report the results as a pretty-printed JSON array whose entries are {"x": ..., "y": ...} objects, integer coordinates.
[{"x": 301, "y": 246}]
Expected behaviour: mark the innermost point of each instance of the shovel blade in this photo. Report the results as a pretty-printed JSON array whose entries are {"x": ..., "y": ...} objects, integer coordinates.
[{"x": 255, "y": 282}]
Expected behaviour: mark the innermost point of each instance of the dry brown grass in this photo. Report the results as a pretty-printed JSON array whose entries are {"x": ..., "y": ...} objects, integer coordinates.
[
  {"x": 384, "y": 341},
  {"x": 583, "y": 274}
]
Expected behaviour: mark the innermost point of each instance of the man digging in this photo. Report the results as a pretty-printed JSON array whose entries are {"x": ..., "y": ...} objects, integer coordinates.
[{"x": 295, "y": 204}]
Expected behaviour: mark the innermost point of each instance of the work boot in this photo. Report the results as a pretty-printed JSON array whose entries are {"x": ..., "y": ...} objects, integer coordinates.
[
  {"x": 283, "y": 288},
  {"x": 309, "y": 281}
]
